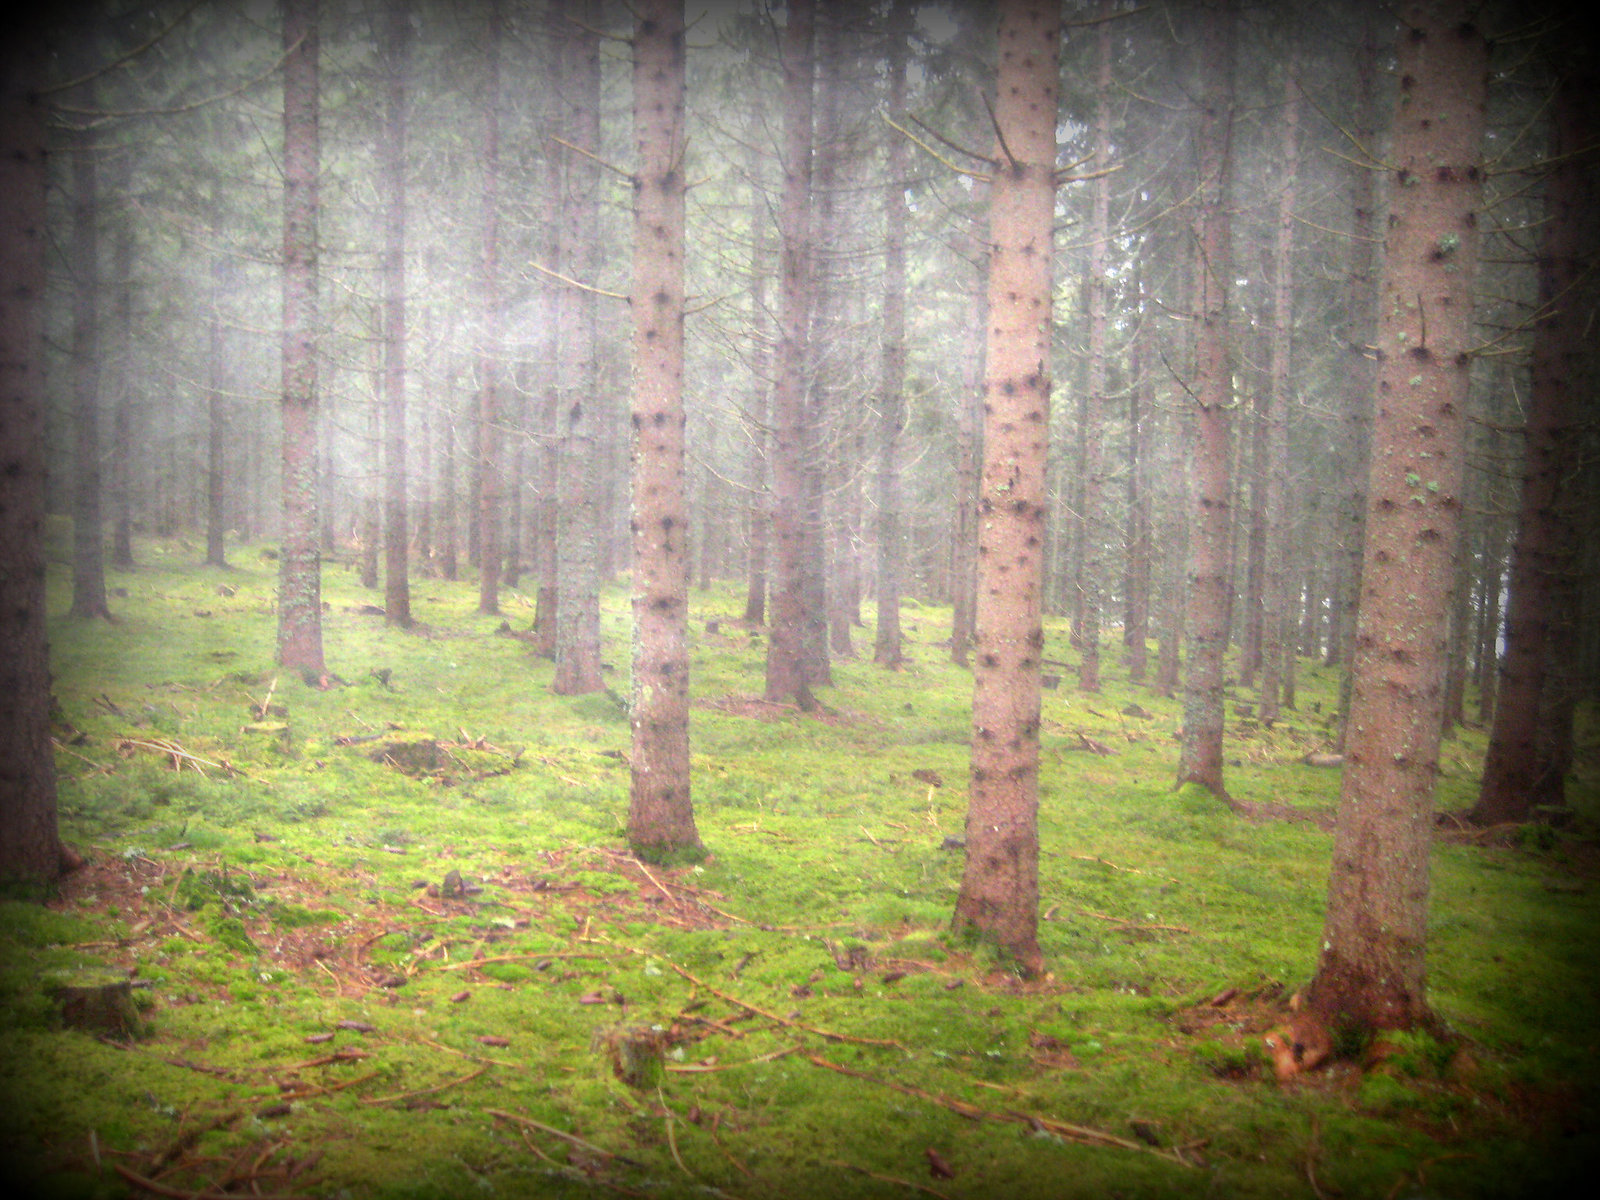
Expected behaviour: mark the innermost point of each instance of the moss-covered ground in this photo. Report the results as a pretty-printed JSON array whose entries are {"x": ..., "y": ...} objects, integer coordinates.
[{"x": 387, "y": 940}]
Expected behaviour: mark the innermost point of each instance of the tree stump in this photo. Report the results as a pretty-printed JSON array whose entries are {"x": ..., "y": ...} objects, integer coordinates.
[{"x": 99, "y": 1008}]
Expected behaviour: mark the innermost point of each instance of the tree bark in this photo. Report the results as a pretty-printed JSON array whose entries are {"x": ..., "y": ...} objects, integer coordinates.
[
  {"x": 1371, "y": 973},
  {"x": 396, "y": 540},
  {"x": 1211, "y": 545},
  {"x": 661, "y": 825},
  {"x": 216, "y": 427},
  {"x": 30, "y": 851},
  {"x": 300, "y": 564},
  {"x": 999, "y": 895}
]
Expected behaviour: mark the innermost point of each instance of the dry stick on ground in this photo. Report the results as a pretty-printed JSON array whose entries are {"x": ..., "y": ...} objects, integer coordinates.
[
  {"x": 785, "y": 1021},
  {"x": 161, "y": 1189},
  {"x": 438, "y": 1087},
  {"x": 493, "y": 1062},
  {"x": 1084, "y": 912},
  {"x": 468, "y": 963},
  {"x": 574, "y": 1139},
  {"x": 317, "y": 1089},
  {"x": 1076, "y": 1133},
  {"x": 909, "y": 1183},
  {"x": 707, "y": 1068}
]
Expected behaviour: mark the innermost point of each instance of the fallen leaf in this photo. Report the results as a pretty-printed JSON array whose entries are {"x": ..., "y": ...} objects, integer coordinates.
[
  {"x": 460, "y": 996},
  {"x": 490, "y": 1039},
  {"x": 937, "y": 1167}
]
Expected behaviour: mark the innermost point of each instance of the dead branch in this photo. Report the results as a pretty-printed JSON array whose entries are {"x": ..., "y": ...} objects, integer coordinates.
[
  {"x": 785, "y": 1021},
  {"x": 427, "y": 1091}
]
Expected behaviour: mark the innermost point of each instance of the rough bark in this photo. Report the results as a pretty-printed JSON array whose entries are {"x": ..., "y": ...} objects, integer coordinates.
[
  {"x": 786, "y": 665},
  {"x": 30, "y": 855},
  {"x": 300, "y": 563},
  {"x": 1372, "y": 969},
  {"x": 396, "y": 540},
  {"x": 661, "y": 823},
  {"x": 999, "y": 895},
  {"x": 1211, "y": 543},
  {"x": 1544, "y": 558}
]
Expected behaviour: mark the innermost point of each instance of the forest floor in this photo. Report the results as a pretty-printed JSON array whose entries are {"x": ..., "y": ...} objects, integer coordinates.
[{"x": 386, "y": 939}]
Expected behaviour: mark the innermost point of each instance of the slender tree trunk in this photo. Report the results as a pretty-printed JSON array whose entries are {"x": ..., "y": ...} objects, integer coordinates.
[
  {"x": 30, "y": 848},
  {"x": 786, "y": 674},
  {"x": 120, "y": 490},
  {"x": 299, "y": 564},
  {"x": 449, "y": 504},
  {"x": 1136, "y": 586},
  {"x": 1371, "y": 973},
  {"x": 1359, "y": 369},
  {"x": 661, "y": 824},
  {"x": 491, "y": 365},
  {"x": 759, "y": 516},
  {"x": 578, "y": 541},
  {"x": 88, "y": 558},
  {"x": 1211, "y": 548},
  {"x": 1544, "y": 559},
  {"x": 1092, "y": 558},
  {"x": 1275, "y": 539},
  {"x": 887, "y": 650},
  {"x": 396, "y": 539},
  {"x": 999, "y": 895},
  {"x": 216, "y": 428}
]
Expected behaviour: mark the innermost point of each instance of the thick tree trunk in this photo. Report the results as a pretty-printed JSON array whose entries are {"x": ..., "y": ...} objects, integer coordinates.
[
  {"x": 1211, "y": 546},
  {"x": 999, "y": 895},
  {"x": 30, "y": 850},
  {"x": 661, "y": 824},
  {"x": 300, "y": 565},
  {"x": 1540, "y": 606},
  {"x": 1371, "y": 972},
  {"x": 396, "y": 539},
  {"x": 786, "y": 666}
]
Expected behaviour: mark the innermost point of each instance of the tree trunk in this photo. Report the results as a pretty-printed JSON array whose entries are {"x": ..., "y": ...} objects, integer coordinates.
[
  {"x": 1371, "y": 973},
  {"x": 759, "y": 516},
  {"x": 887, "y": 650},
  {"x": 786, "y": 676},
  {"x": 88, "y": 559},
  {"x": 578, "y": 541},
  {"x": 120, "y": 489},
  {"x": 1275, "y": 534},
  {"x": 999, "y": 896},
  {"x": 216, "y": 428},
  {"x": 30, "y": 849},
  {"x": 661, "y": 824},
  {"x": 1359, "y": 367},
  {"x": 1540, "y": 606},
  {"x": 1092, "y": 557},
  {"x": 299, "y": 564},
  {"x": 1136, "y": 585},
  {"x": 1211, "y": 548},
  {"x": 491, "y": 366},
  {"x": 396, "y": 540}
]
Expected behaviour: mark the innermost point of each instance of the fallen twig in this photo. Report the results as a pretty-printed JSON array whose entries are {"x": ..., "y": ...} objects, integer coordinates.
[
  {"x": 707, "y": 1068},
  {"x": 1084, "y": 912},
  {"x": 161, "y": 1189},
  {"x": 882, "y": 1178},
  {"x": 785, "y": 1021},
  {"x": 574, "y": 1139},
  {"x": 438, "y": 1087}
]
